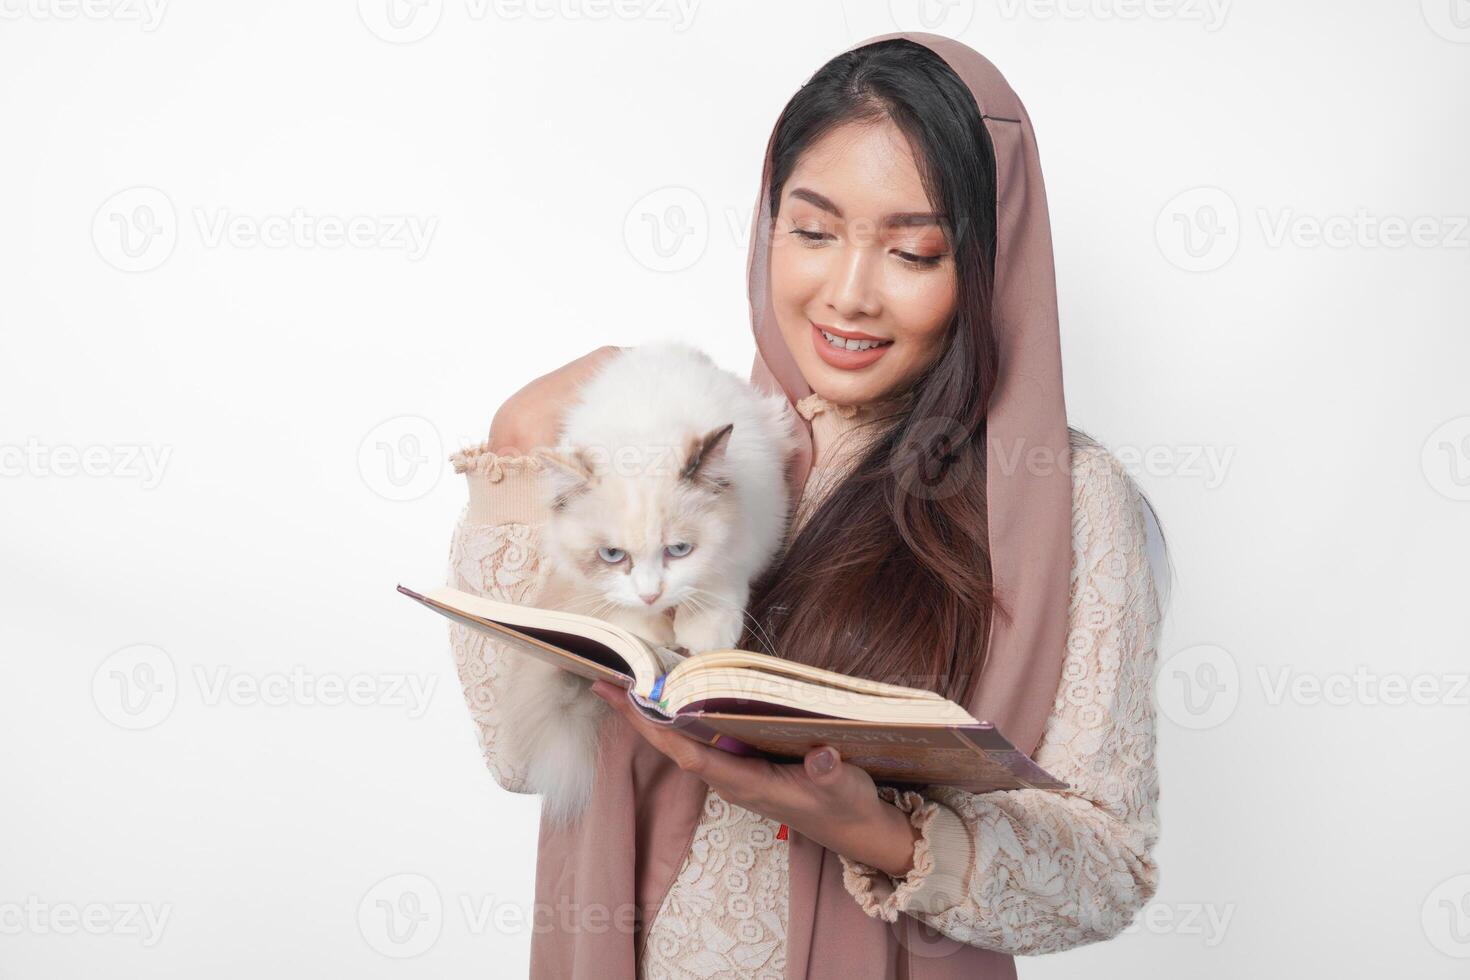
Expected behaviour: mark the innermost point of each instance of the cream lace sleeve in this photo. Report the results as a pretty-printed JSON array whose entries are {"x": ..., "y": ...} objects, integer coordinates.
[
  {"x": 1030, "y": 871},
  {"x": 494, "y": 552}
]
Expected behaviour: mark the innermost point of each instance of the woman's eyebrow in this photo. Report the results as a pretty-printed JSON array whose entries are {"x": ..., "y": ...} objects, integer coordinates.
[{"x": 903, "y": 219}]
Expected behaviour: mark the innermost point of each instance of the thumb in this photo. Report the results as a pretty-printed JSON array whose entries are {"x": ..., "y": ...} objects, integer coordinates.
[{"x": 822, "y": 765}]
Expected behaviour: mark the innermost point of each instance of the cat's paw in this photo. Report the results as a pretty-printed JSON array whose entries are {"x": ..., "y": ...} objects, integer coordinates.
[{"x": 704, "y": 630}]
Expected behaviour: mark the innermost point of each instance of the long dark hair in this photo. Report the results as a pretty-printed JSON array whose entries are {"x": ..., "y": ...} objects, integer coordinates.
[{"x": 890, "y": 576}]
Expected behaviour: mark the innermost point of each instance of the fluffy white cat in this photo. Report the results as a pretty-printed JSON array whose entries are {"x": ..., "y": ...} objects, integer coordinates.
[{"x": 668, "y": 498}]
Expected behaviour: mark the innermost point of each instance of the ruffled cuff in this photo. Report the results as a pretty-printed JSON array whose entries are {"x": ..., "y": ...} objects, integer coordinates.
[
  {"x": 503, "y": 489},
  {"x": 944, "y": 857}
]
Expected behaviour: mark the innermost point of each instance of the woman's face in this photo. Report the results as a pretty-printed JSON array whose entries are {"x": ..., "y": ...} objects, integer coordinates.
[{"x": 858, "y": 254}]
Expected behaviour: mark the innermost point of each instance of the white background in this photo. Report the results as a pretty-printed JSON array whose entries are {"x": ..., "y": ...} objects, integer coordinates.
[{"x": 291, "y": 395}]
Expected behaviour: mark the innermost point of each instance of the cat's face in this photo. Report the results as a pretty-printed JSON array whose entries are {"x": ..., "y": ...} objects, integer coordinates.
[{"x": 642, "y": 535}]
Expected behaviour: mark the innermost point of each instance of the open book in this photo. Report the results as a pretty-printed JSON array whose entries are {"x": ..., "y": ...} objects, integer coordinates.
[{"x": 754, "y": 704}]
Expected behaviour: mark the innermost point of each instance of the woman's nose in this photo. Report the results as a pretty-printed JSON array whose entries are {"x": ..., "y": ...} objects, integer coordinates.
[{"x": 853, "y": 287}]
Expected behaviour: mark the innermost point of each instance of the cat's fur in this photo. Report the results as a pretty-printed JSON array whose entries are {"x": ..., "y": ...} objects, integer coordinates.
[{"x": 661, "y": 448}]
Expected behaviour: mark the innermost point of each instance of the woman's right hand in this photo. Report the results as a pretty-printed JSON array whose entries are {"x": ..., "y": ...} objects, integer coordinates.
[{"x": 531, "y": 417}]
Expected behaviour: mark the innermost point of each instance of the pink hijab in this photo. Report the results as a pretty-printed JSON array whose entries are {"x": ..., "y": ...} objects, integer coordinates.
[{"x": 599, "y": 883}]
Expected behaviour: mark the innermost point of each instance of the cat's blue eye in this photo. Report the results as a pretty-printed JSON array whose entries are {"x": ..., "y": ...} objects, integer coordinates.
[
  {"x": 679, "y": 550},
  {"x": 611, "y": 555}
]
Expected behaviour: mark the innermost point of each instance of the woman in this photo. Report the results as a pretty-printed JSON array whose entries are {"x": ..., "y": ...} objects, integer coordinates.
[{"x": 951, "y": 533}]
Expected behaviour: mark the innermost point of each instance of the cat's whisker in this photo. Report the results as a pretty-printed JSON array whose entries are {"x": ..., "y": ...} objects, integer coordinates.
[
  {"x": 760, "y": 632},
  {"x": 692, "y": 603},
  {"x": 755, "y": 626}
]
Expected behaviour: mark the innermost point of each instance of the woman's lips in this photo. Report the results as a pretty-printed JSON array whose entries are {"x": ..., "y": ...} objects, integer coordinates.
[{"x": 846, "y": 360}]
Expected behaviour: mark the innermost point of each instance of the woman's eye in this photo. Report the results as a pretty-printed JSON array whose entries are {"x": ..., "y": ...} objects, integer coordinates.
[
  {"x": 611, "y": 555},
  {"x": 810, "y": 236},
  {"x": 679, "y": 550},
  {"x": 922, "y": 261}
]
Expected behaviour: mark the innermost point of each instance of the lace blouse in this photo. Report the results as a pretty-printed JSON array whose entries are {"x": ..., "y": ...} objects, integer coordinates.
[{"x": 1020, "y": 871}]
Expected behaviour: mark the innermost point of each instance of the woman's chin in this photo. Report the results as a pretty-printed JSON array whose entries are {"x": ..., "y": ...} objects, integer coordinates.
[{"x": 846, "y": 387}]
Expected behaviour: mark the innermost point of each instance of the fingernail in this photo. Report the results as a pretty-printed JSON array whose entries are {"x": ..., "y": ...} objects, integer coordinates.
[{"x": 824, "y": 761}]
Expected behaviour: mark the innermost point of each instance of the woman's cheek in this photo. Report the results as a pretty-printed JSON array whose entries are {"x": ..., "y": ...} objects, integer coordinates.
[
  {"x": 925, "y": 348},
  {"x": 922, "y": 329},
  {"x": 924, "y": 308},
  {"x": 924, "y": 298},
  {"x": 810, "y": 268},
  {"x": 794, "y": 278}
]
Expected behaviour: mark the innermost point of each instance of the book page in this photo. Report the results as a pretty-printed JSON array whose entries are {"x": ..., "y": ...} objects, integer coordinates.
[
  {"x": 751, "y": 691},
  {"x": 571, "y": 652},
  {"x": 797, "y": 672}
]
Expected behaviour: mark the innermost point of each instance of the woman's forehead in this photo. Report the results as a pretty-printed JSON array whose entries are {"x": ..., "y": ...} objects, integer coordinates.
[{"x": 865, "y": 170}]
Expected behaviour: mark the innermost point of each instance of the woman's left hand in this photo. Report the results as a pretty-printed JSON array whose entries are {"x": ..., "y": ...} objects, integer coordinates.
[{"x": 830, "y": 801}]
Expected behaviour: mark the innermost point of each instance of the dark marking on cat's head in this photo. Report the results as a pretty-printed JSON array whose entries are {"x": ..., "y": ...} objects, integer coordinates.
[
  {"x": 570, "y": 474},
  {"x": 704, "y": 455}
]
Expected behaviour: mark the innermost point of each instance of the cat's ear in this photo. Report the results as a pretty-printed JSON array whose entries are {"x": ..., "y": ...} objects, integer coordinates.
[
  {"x": 566, "y": 473},
  {"x": 704, "y": 459}
]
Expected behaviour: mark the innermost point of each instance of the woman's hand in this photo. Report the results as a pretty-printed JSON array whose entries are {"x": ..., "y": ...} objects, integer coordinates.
[
  {"x": 531, "y": 417},
  {"x": 828, "y": 800}
]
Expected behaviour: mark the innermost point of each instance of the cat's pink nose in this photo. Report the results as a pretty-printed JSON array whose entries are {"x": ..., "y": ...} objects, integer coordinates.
[{"x": 651, "y": 597}]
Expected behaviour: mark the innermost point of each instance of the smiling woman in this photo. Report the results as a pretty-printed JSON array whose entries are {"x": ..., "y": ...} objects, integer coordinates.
[
  {"x": 882, "y": 263},
  {"x": 921, "y": 553}
]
